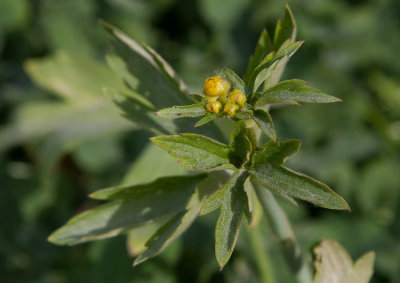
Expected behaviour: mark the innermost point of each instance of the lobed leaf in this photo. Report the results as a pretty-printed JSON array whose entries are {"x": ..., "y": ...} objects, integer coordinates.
[
  {"x": 264, "y": 122},
  {"x": 291, "y": 92},
  {"x": 196, "y": 152},
  {"x": 333, "y": 264},
  {"x": 174, "y": 112}
]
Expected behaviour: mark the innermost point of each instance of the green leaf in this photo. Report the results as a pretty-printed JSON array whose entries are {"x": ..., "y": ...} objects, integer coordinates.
[
  {"x": 240, "y": 145},
  {"x": 264, "y": 47},
  {"x": 196, "y": 152},
  {"x": 174, "y": 112},
  {"x": 334, "y": 264},
  {"x": 270, "y": 64},
  {"x": 206, "y": 119},
  {"x": 264, "y": 122},
  {"x": 276, "y": 152},
  {"x": 177, "y": 225},
  {"x": 285, "y": 29},
  {"x": 233, "y": 206},
  {"x": 157, "y": 81},
  {"x": 133, "y": 205},
  {"x": 139, "y": 113},
  {"x": 293, "y": 184},
  {"x": 291, "y": 92},
  {"x": 236, "y": 80}
]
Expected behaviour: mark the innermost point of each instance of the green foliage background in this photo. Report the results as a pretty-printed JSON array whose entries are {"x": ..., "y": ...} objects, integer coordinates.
[{"x": 60, "y": 140}]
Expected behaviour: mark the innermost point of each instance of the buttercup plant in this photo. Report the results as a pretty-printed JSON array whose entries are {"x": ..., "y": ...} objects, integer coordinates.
[{"x": 235, "y": 175}]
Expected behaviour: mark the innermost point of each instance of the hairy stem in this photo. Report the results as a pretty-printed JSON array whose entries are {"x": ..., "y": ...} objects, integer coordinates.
[
  {"x": 283, "y": 231},
  {"x": 261, "y": 257}
]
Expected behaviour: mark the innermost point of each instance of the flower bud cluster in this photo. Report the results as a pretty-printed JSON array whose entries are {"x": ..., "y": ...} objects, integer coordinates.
[{"x": 219, "y": 97}]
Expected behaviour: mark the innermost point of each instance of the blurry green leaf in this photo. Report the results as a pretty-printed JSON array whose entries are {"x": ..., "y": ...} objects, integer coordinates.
[
  {"x": 157, "y": 82},
  {"x": 285, "y": 29},
  {"x": 195, "y": 152},
  {"x": 233, "y": 205},
  {"x": 240, "y": 144},
  {"x": 140, "y": 114},
  {"x": 133, "y": 205},
  {"x": 264, "y": 122},
  {"x": 334, "y": 265},
  {"x": 291, "y": 92},
  {"x": 193, "y": 110},
  {"x": 206, "y": 119},
  {"x": 13, "y": 14},
  {"x": 153, "y": 157},
  {"x": 236, "y": 80},
  {"x": 263, "y": 47}
]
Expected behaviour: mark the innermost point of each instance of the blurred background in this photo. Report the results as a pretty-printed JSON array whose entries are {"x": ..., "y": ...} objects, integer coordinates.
[{"x": 60, "y": 139}]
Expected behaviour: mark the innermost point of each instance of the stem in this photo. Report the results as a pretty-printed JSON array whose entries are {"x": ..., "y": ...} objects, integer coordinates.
[
  {"x": 282, "y": 229},
  {"x": 261, "y": 257}
]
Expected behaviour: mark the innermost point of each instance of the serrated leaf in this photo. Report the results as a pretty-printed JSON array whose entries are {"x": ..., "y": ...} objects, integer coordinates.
[
  {"x": 206, "y": 119},
  {"x": 196, "y": 152},
  {"x": 334, "y": 265},
  {"x": 240, "y": 145},
  {"x": 276, "y": 152},
  {"x": 291, "y": 92},
  {"x": 264, "y": 122},
  {"x": 264, "y": 47},
  {"x": 285, "y": 29},
  {"x": 233, "y": 206},
  {"x": 174, "y": 112},
  {"x": 236, "y": 80},
  {"x": 293, "y": 184},
  {"x": 143, "y": 203},
  {"x": 270, "y": 64},
  {"x": 157, "y": 81}
]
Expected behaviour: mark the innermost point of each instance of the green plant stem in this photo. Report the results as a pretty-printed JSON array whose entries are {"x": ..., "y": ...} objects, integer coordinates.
[
  {"x": 261, "y": 257},
  {"x": 283, "y": 231}
]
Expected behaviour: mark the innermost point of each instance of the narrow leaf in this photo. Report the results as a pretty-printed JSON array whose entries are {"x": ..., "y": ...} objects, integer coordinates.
[
  {"x": 293, "y": 184},
  {"x": 196, "y": 152},
  {"x": 264, "y": 122},
  {"x": 228, "y": 224},
  {"x": 206, "y": 119},
  {"x": 293, "y": 91},
  {"x": 236, "y": 80},
  {"x": 285, "y": 29},
  {"x": 240, "y": 145},
  {"x": 174, "y": 112}
]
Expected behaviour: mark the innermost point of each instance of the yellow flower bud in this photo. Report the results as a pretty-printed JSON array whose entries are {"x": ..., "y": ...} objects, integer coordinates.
[
  {"x": 231, "y": 108},
  {"x": 216, "y": 86},
  {"x": 214, "y": 106},
  {"x": 237, "y": 97}
]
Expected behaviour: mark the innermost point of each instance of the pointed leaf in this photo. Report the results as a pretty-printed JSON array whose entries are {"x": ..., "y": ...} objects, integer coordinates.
[
  {"x": 264, "y": 47},
  {"x": 196, "y": 152},
  {"x": 285, "y": 29},
  {"x": 236, "y": 80},
  {"x": 228, "y": 224},
  {"x": 293, "y": 184},
  {"x": 292, "y": 91},
  {"x": 206, "y": 119},
  {"x": 333, "y": 264},
  {"x": 264, "y": 122},
  {"x": 143, "y": 203},
  {"x": 174, "y": 112}
]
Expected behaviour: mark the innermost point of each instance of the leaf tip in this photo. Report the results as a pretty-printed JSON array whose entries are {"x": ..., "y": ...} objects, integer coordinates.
[{"x": 156, "y": 113}]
